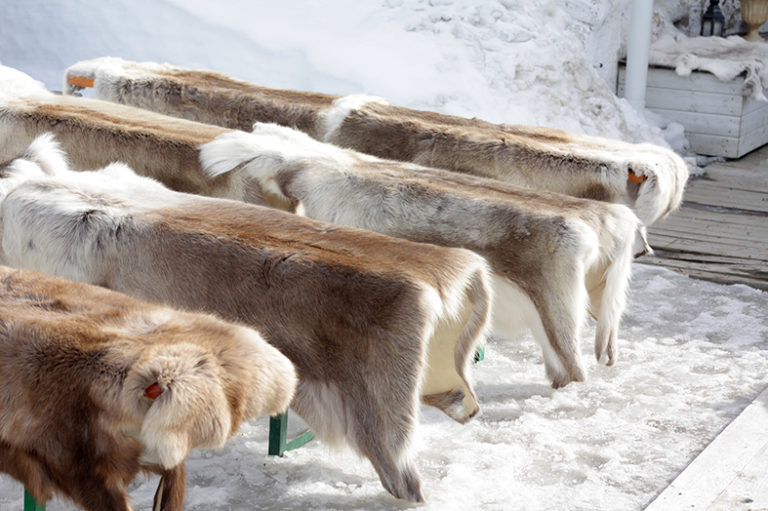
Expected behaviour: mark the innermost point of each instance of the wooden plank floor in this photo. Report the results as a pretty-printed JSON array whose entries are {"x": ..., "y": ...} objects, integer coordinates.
[
  {"x": 721, "y": 234},
  {"x": 731, "y": 473},
  {"x": 721, "y": 231}
]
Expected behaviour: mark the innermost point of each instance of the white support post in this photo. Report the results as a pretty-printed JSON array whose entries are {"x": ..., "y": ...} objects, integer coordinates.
[{"x": 638, "y": 44}]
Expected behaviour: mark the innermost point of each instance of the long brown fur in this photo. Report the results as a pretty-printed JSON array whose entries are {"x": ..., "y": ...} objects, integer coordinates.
[
  {"x": 365, "y": 318},
  {"x": 75, "y": 360},
  {"x": 535, "y": 157},
  {"x": 96, "y": 133},
  {"x": 549, "y": 248}
]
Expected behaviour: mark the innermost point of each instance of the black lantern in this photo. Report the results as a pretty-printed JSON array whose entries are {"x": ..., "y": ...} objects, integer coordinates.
[{"x": 713, "y": 21}]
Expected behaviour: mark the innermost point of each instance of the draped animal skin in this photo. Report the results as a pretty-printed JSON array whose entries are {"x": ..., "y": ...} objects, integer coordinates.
[
  {"x": 650, "y": 179},
  {"x": 554, "y": 257},
  {"x": 96, "y": 386},
  {"x": 372, "y": 323}
]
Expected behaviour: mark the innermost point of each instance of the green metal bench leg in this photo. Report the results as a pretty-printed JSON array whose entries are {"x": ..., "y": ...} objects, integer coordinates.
[
  {"x": 278, "y": 431},
  {"x": 30, "y": 504}
]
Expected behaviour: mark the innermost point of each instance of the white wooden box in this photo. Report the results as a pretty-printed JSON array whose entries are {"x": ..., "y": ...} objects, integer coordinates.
[{"x": 718, "y": 120}]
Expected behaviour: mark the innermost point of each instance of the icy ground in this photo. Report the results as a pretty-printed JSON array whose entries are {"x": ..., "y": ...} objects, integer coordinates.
[{"x": 692, "y": 355}]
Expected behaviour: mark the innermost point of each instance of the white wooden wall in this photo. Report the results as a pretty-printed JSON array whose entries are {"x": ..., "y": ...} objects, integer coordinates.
[{"x": 718, "y": 120}]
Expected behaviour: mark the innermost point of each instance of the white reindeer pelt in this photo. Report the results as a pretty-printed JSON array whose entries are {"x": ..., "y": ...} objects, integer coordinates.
[
  {"x": 96, "y": 386},
  {"x": 648, "y": 178},
  {"x": 370, "y": 322},
  {"x": 554, "y": 257}
]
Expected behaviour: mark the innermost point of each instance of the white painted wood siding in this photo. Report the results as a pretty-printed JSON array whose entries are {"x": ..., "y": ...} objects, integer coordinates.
[{"x": 718, "y": 119}]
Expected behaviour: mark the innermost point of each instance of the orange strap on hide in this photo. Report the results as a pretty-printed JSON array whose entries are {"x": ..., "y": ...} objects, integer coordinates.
[
  {"x": 634, "y": 178},
  {"x": 80, "y": 81},
  {"x": 153, "y": 391}
]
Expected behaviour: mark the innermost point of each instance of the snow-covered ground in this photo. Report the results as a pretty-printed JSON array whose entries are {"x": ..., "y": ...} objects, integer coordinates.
[{"x": 693, "y": 354}]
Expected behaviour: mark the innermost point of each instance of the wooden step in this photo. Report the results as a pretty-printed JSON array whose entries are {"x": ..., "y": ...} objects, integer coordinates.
[{"x": 731, "y": 473}]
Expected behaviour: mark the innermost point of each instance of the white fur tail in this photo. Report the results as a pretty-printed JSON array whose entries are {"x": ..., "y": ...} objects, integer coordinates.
[
  {"x": 257, "y": 158},
  {"x": 332, "y": 117},
  {"x": 626, "y": 230},
  {"x": 43, "y": 157},
  {"x": 46, "y": 153},
  {"x": 664, "y": 175},
  {"x": 230, "y": 150},
  {"x": 187, "y": 406},
  {"x": 269, "y": 147}
]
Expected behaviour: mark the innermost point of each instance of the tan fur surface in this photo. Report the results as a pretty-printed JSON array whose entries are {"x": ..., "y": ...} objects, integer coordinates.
[
  {"x": 75, "y": 360},
  {"x": 356, "y": 312},
  {"x": 566, "y": 255},
  {"x": 535, "y": 157}
]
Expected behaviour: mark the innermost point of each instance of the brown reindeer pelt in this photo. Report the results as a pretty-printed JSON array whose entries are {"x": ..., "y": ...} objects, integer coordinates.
[{"x": 96, "y": 386}]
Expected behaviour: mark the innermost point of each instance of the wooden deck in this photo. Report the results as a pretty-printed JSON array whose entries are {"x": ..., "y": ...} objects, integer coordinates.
[
  {"x": 721, "y": 234},
  {"x": 721, "y": 231},
  {"x": 731, "y": 474}
]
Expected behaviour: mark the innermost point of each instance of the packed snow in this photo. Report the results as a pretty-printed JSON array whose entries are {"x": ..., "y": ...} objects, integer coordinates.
[{"x": 692, "y": 353}]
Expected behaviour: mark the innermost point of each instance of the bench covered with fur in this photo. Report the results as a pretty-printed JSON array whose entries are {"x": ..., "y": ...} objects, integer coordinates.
[
  {"x": 96, "y": 386},
  {"x": 370, "y": 322},
  {"x": 581, "y": 239},
  {"x": 96, "y": 133},
  {"x": 648, "y": 178},
  {"x": 554, "y": 257}
]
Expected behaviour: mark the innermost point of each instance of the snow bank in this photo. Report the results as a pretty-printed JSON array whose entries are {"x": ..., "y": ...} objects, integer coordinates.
[{"x": 44, "y": 37}]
